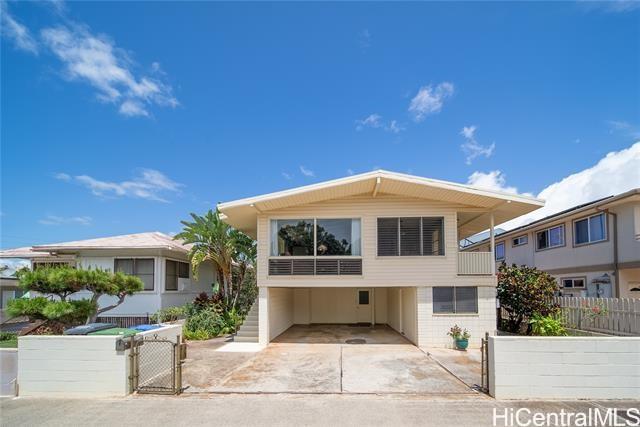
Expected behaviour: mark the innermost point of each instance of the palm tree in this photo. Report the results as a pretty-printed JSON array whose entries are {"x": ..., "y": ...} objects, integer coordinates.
[{"x": 215, "y": 241}]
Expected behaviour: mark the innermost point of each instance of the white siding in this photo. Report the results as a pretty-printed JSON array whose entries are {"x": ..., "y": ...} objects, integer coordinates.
[
  {"x": 564, "y": 367},
  {"x": 377, "y": 271},
  {"x": 280, "y": 311},
  {"x": 433, "y": 328}
]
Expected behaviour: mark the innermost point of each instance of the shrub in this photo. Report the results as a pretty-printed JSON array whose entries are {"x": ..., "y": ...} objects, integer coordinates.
[
  {"x": 523, "y": 291},
  {"x": 170, "y": 314},
  {"x": 549, "y": 326},
  {"x": 8, "y": 336}
]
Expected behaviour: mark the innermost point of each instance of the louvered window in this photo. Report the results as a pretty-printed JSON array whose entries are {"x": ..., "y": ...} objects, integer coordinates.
[
  {"x": 388, "y": 236},
  {"x": 410, "y": 236}
]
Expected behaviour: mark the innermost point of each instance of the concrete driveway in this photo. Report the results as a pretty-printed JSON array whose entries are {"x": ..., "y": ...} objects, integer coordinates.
[{"x": 318, "y": 359}]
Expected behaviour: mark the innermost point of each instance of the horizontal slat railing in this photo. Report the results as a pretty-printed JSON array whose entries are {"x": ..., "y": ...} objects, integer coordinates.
[{"x": 474, "y": 263}]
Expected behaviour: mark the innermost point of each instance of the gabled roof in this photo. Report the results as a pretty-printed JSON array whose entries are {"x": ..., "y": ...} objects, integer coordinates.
[
  {"x": 242, "y": 213},
  {"x": 602, "y": 203},
  {"x": 152, "y": 240}
]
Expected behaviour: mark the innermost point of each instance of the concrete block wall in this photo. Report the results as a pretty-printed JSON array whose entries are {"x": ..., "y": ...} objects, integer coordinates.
[
  {"x": 433, "y": 328},
  {"x": 564, "y": 367},
  {"x": 77, "y": 365}
]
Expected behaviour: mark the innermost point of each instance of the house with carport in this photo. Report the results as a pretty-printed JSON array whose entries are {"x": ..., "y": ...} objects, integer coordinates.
[{"x": 379, "y": 248}]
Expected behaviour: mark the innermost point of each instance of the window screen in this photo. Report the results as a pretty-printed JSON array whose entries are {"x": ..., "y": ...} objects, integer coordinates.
[
  {"x": 139, "y": 267},
  {"x": 410, "y": 236},
  {"x": 171, "y": 276},
  {"x": 452, "y": 300},
  {"x": 443, "y": 300},
  {"x": 466, "y": 299}
]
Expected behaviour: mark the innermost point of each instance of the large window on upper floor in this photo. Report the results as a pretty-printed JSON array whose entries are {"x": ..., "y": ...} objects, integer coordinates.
[
  {"x": 590, "y": 230},
  {"x": 410, "y": 236},
  {"x": 316, "y": 237},
  {"x": 550, "y": 238}
]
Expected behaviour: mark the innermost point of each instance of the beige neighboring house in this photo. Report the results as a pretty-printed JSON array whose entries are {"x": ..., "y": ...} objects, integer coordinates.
[
  {"x": 376, "y": 248},
  {"x": 592, "y": 250},
  {"x": 158, "y": 260}
]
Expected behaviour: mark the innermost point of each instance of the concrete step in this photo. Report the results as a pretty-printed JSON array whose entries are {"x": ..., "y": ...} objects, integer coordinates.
[
  {"x": 249, "y": 323},
  {"x": 248, "y": 328},
  {"x": 245, "y": 339},
  {"x": 253, "y": 318},
  {"x": 242, "y": 333}
]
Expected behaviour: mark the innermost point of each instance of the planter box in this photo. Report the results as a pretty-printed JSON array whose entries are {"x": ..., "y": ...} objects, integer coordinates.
[{"x": 77, "y": 365}]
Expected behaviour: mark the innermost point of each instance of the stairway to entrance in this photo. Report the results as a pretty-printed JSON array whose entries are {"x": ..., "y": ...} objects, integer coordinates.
[{"x": 248, "y": 331}]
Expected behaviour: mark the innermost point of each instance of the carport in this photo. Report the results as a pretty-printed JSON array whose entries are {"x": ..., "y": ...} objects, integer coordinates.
[{"x": 341, "y": 312}]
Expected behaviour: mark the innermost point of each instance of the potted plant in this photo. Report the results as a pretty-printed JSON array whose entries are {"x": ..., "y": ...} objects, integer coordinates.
[{"x": 460, "y": 336}]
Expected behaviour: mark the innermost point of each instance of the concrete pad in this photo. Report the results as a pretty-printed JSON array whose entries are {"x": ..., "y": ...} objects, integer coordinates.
[
  {"x": 205, "y": 366},
  {"x": 466, "y": 365},
  {"x": 282, "y": 368},
  {"x": 241, "y": 347},
  {"x": 339, "y": 334},
  {"x": 395, "y": 369}
]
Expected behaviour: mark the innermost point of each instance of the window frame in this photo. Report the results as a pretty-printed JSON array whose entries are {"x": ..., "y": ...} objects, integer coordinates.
[
  {"x": 547, "y": 230},
  {"x": 315, "y": 237},
  {"x": 422, "y": 255},
  {"x": 153, "y": 274},
  {"x": 573, "y": 279},
  {"x": 455, "y": 297},
  {"x": 588, "y": 219},
  {"x": 177, "y": 275},
  {"x": 525, "y": 236},
  {"x": 504, "y": 251}
]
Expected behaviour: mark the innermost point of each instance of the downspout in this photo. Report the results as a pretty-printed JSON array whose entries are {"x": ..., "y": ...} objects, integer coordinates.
[{"x": 614, "y": 240}]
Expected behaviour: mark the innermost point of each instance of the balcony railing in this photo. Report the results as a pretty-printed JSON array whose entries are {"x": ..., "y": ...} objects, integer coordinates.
[
  {"x": 475, "y": 263},
  {"x": 315, "y": 266}
]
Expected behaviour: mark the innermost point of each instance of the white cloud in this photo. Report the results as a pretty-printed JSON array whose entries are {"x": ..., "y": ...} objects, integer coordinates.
[
  {"x": 472, "y": 148},
  {"x": 617, "y": 172},
  {"x": 96, "y": 60},
  {"x": 350, "y": 171},
  {"x": 429, "y": 100},
  {"x": 493, "y": 180},
  {"x": 287, "y": 176},
  {"x": 364, "y": 39},
  {"x": 306, "y": 172},
  {"x": 14, "y": 30},
  {"x": 611, "y": 6},
  {"x": 374, "y": 121},
  {"x": 150, "y": 184},
  {"x": 62, "y": 176},
  {"x": 625, "y": 128},
  {"x": 59, "y": 220}
]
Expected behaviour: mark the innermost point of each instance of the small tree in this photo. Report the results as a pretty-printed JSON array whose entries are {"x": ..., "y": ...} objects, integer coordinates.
[
  {"x": 63, "y": 282},
  {"x": 524, "y": 291}
]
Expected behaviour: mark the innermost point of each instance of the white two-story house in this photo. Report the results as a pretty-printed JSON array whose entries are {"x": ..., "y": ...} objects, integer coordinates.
[
  {"x": 376, "y": 248},
  {"x": 592, "y": 250}
]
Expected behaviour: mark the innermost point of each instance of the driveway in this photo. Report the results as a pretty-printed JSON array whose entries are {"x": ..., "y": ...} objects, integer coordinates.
[{"x": 319, "y": 359}]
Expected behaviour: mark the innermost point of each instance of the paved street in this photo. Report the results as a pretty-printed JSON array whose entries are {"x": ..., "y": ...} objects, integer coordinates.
[{"x": 274, "y": 409}]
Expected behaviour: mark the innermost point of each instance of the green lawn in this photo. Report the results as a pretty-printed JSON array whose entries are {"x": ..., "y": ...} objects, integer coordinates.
[{"x": 9, "y": 344}]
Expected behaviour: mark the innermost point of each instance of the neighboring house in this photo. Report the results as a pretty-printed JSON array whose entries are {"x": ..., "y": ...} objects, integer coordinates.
[
  {"x": 158, "y": 260},
  {"x": 376, "y": 248},
  {"x": 592, "y": 250}
]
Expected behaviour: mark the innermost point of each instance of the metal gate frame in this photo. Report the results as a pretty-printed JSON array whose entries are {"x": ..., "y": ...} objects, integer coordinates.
[
  {"x": 484, "y": 351},
  {"x": 178, "y": 354}
]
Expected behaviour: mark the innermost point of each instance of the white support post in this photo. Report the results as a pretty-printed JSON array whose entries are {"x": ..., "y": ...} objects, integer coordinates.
[
  {"x": 492, "y": 238},
  {"x": 263, "y": 315}
]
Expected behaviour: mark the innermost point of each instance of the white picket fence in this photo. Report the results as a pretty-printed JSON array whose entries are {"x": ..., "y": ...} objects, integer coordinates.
[{"x": 621, "y": 316}]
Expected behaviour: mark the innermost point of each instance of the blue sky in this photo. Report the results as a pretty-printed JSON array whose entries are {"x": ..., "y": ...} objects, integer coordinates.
[{"x": 123, "y": 117}]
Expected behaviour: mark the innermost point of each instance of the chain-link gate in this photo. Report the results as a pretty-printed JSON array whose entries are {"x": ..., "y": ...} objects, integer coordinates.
[
  {"x": 484, "y": 350},
  {"x": 156, "y": 365}
]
